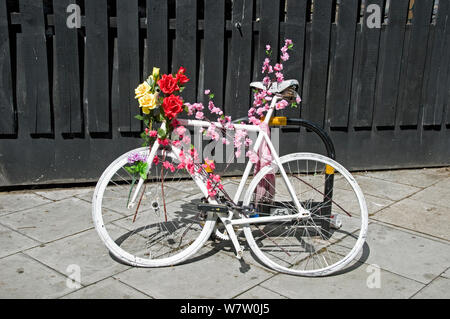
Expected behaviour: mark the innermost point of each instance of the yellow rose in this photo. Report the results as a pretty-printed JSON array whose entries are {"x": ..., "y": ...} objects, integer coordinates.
[
  {"x": 155, "y": 73},
  {"x": 148, "y": 102},
  {"x": 142, "y": 89}
]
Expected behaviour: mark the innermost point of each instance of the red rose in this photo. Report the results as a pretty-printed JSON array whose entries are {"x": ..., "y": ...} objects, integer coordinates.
[
  {"x": 181, "y": 70},
  {"x": 172, "y": 105},
  {"x": 168, "y": 84},
  {"x": 182, "y": 79}
]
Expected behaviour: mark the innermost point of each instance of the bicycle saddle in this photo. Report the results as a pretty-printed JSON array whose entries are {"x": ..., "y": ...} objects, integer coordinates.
[{"x": 276, "y": 87}]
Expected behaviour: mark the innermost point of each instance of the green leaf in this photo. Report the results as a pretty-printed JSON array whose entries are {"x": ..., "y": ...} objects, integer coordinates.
[
  {"x": 182, "y": 89},
  {"x": 291, "y": 46},
  {"x": 139, "y": 117},
  {"x": 211, "y": 96},
  {"x": 162, "y": 133}
]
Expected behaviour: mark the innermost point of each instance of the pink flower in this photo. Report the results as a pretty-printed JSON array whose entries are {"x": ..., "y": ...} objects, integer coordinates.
[
  {"x": 199, "y": 106},
  {"x": 215, "y": 178},
  {"x": 248, "y": 142},
  {"x": 153, "y": 133},
  {"x": 253, "y": 157},
  {"x": 285, "y": 56},
  {"x": 207, "y": 92},
  {"x": 268, "y": 47},
  {"x": 281, "y": 105},
  {"x": 298, "y": 99},
  {"x": 199, "y": 116},
  {"x": 180, "y": 130},
  {"x": 186, "y": 140},
  {"x": 278, "y": 67},
  {"x": 279, "y": 76},
  {"x": 156, "y": 160},
  {"x": 254, "y": 120},
  {"x": 164, "y": 142},
  {"x": 169, "y": 166},
  {"x": 176, "y": 143}
]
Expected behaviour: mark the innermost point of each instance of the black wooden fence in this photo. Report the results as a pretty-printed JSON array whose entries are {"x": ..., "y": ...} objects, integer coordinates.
[{"x": 66, "y": 94}]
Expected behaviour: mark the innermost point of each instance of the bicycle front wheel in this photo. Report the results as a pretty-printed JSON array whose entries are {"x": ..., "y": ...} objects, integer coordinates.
[
  {"x": 327, "y": 240},
  {"x": 164, "y": 227}
]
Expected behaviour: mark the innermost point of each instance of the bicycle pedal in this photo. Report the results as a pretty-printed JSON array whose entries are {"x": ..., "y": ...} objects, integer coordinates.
[{"x": 212, "y": 208}]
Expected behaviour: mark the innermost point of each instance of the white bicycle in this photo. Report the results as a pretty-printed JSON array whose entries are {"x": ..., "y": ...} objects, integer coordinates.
[{"x": 313, "y": 223}]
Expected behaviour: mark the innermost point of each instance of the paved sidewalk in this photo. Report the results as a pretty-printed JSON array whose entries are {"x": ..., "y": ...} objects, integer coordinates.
[{"x": 43, "y": 233}]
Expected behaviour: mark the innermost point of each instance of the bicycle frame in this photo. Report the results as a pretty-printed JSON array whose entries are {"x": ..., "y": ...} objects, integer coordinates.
[{"x": 229, "y": 221}]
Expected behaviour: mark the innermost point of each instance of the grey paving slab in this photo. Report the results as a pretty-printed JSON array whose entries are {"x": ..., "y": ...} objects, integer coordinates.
[
  {"x": 55, "y": 220},
  {"x": 438, "y": 289},
  {"x": 22, "y": 277},
  {"x": 16, "y": 201},
  {"x": 413, "y": 177},
  {"x": 352, "y": 284},
  {"x": 259, "y": 292},
  {"x": 406, "y": 253},
  {"x": 418, "y": 216},
  {"x": 63, "y": 193},
  {"x": 13, "y": 242},
  {"x": 437, "y": 194},
  {"x": 446, "y": 274},
  {"x": 445, "y": 183},
  {"x": 85, "y": 250},
  {"x": 384, "y": 189},
  {"x": 109, "y": 288},
  {"x": 210, "y": 275}
]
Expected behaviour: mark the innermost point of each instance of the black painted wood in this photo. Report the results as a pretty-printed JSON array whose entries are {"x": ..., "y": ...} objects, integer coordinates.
[
  {"x": 437, "y": 68},
  {"x": 129, "y": 67},
  {"x": 338, "y": 99},
  {"x": 221, "y": 45},
  {"x": 415, "y": 63},
  {"x": 366, "y": 71},
  {"x": 391, "y": 48},
  {"x": 158, "y": 35},
  {"x": 186, "y": 45},
  {"x": 315, "y": 98},
  {"x": 8, "y": 123},
  {"x": 214, "y": 48},
  {"x": 238, "y": 92},
  {"x": 68, "y": 106},
  {"x": 37, "y": 92},
  {"x": 98, "y": 66}
]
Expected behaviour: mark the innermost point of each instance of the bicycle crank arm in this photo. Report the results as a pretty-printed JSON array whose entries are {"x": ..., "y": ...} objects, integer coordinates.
[{"x": 268, "y": 219}]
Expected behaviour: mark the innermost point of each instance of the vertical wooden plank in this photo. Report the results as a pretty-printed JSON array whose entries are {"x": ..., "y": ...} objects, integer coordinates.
[
  {"x": 391, "y": 49},
  {"x": 366, "y": 71},
  {"x": 415, "y": 63},
  {"x": 214, "y": 48},
  {"x": 341, "y": 69},
  {"x": 7, "y": 117},
  {"x": 295, "y": 29},
  {"x": 316, "y": 85},
  {"x": 128, "y": 55},
  {"x": 434, "y": 96},
  {"x": 238, "y": 92},
  {"x": 68, "y": 111},
  {"x": 37, "y": 92},
  {"x": 269, "y": 30},
  {"x": 186, "y": 45},
  {"x": 158, "y": 35},
  {"x": 97, "y": 61}
]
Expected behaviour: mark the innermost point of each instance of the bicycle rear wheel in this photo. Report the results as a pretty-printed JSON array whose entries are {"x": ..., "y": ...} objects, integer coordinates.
[
  {"x": 164, "y": 228},
  {"x": 318, "y": 245}
]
